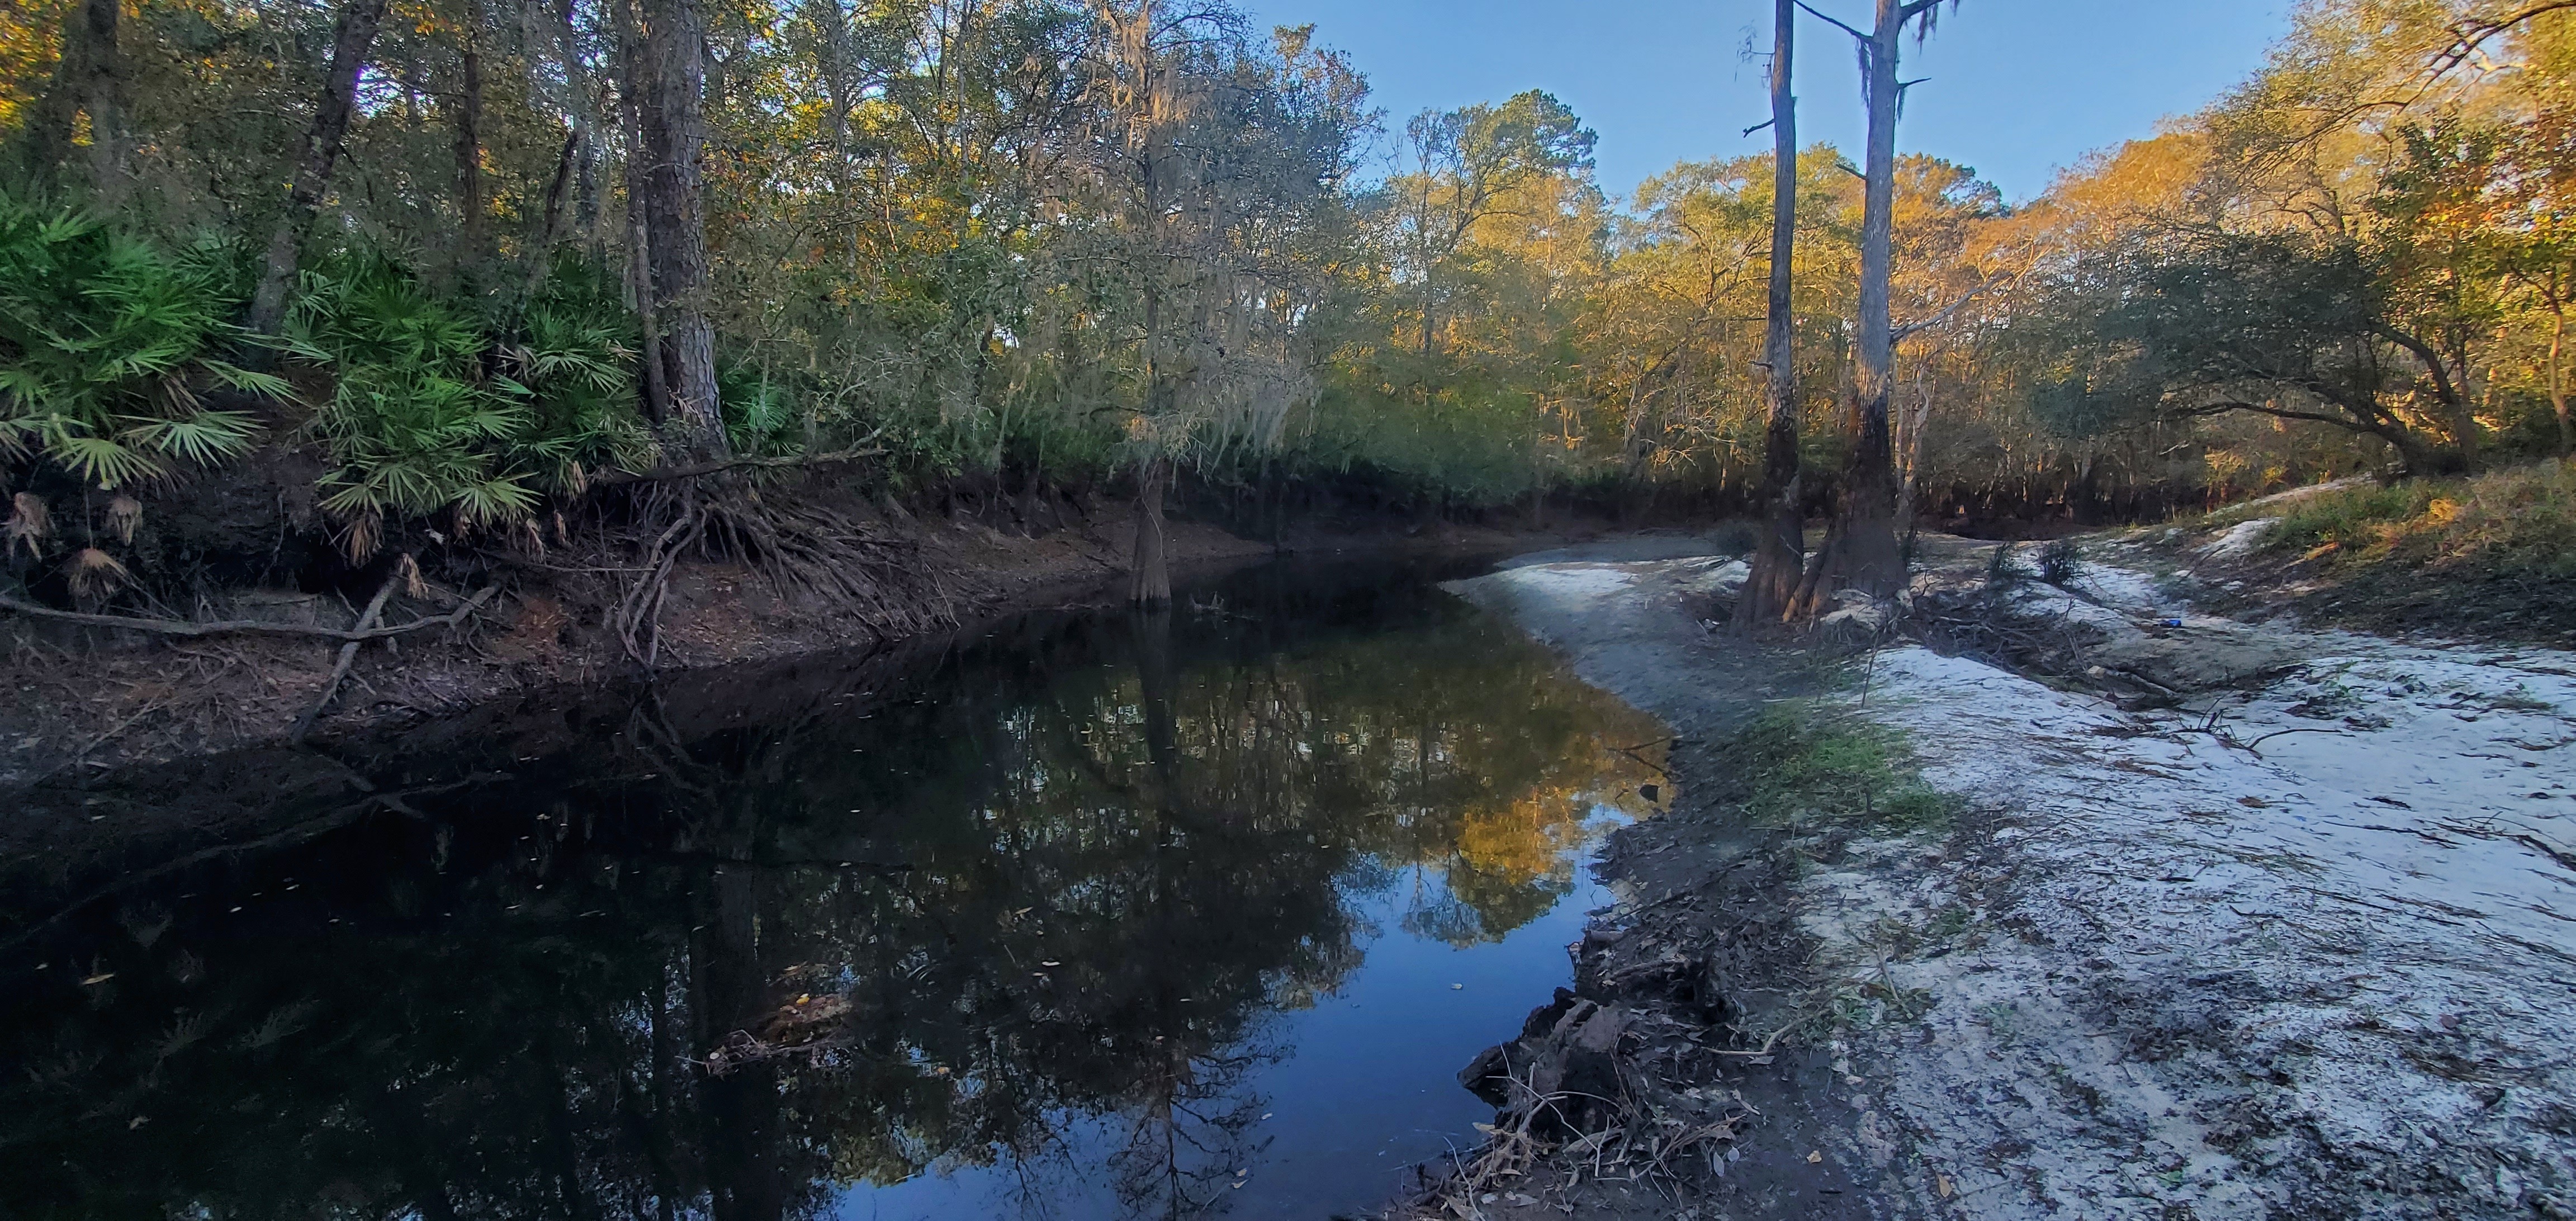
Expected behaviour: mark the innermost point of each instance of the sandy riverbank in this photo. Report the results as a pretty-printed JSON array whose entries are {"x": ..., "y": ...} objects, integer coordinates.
[{"x": 2224, "y": 920}]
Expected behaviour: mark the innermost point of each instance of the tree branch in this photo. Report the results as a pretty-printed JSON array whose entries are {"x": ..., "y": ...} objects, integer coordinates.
[
  {"x": 348, "y": 654},
  {"x": 1909, "y": 329},
  {"x": 2423, "y": 351},
  {"x": 182, "y": 627},
  {"x": 1864, "y": 38},
  {"x": 2469, "y": 35}
]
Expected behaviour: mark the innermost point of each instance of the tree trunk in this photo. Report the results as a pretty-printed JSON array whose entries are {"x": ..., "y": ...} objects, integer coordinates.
[
  {"x": 2558, "y": 378},
  {"x": 1862, "y": 553},
  {"x": 675, "y": 226},
  {"x": 833, "y": 27},
  {"x": 638, "y": 271},
  {"x": 1780, "y": 552},
  {"x": 1150, "y": 571},
  {"x": 88, "y": 79},
  {"x": 1909, "y": 451},
  {"x": 350, "y": 42},
  {"x": 469, "y": 147},
  {"x": 583, "y": 101},
  {"x": 550, "y": 227}
]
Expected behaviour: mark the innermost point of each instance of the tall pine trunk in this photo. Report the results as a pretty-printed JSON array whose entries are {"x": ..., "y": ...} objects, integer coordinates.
[
  {"x": 673, "y": 181},
  {"x": 1780, "y": 553},
  {"x": 350, "y": 41},
  {"x": 1860, "y": 552}
]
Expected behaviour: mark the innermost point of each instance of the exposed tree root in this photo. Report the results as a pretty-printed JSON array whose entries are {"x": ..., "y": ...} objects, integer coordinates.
[
  {"x": 875, "y": 579},
  {"x": 183, "y": 627}
]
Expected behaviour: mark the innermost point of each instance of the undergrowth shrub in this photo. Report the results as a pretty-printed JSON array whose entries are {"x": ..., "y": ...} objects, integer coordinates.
[
  {"x": 111, "y": 350},
  {"x": 433, "y": 410}
]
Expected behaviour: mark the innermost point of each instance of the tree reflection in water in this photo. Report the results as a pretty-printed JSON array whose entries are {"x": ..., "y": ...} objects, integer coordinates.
[{"x": 1038, "y": 905}]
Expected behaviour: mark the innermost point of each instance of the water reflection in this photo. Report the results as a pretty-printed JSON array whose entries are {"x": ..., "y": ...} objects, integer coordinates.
[{"x": 1047, "y": 905}]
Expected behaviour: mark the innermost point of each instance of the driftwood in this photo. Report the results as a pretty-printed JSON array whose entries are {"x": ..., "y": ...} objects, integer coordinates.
[{"x": 184, "y": 627}]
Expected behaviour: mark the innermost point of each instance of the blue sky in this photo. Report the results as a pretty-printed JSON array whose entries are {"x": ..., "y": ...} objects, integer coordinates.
[{"x": 2018, "y": 88}]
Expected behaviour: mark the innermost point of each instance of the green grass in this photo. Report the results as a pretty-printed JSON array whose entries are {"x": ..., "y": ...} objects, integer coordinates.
[
  {"x": 2520, "y": 520},
  {"x": 2490, "y": 556},
  {"x": 1798, "y": 766}
]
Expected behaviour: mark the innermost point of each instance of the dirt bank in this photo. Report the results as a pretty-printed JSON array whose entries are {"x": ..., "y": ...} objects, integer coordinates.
[
  {"x": 87, "y": 701},
  {"x": 2210, "y": 919}
]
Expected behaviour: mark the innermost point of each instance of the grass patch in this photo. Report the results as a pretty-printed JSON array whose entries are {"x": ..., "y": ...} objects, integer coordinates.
[
  {"x": 2491, "y": 555},
  {"x": 1796, "y": 767},
  {"x": 2521, "y": 520}
]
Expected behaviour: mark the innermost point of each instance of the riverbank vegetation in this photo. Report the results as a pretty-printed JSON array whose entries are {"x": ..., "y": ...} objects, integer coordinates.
[
  {"x": 2490, "y": 555},
  {"x": 305, "y": 294}
]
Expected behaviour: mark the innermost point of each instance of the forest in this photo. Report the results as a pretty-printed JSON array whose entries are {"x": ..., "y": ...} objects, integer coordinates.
[{"x": 443, "y": 274}]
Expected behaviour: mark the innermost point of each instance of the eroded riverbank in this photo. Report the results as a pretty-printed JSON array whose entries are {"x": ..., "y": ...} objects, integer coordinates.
[
  {"x": 87, "y": 700},
  {"x": 2219, "y": 920}
]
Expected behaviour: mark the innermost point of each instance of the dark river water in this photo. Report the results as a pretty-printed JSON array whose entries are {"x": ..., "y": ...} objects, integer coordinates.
[{"x": 1081, "y": 916}]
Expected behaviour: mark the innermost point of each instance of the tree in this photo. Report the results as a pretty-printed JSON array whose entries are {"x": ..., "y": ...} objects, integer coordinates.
[
  {"x": 88, "y": 81},
  {"x": 1860, "y": 551},
  {"x": 2201, "y": 323},
  {"x": 1467, "y": 164},
  {"x": 668, "y": 87},
  {"x": 1225, "y": 166},
  {"x": 1780, "y": 549},
  {"x": 350, "y": 41}
]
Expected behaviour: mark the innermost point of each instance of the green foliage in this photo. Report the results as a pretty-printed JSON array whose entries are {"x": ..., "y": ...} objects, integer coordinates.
[
  {"x": 2517, "y": 522},
  {"x": 1795, "y": 767},
  {"x": 430, "y": 412},
  {"x": 2061, "y": 561},
  {"x": 108, "y": 350}
]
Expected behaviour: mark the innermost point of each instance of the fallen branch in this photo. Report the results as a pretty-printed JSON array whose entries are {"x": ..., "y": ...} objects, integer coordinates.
[
  {"x": 348, "y": 654},
  {"x": 182, "y": 627}
]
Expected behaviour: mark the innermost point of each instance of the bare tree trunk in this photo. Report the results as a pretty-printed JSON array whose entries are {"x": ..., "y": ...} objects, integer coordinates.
[
  {"x": 469, "y": 147},
  {"x": 2558, "y": 376},
  {"x": 675, "y": 226},
  {"x": 1909, "y": 452},
  {"x": 1780, "y": 552},
  {"x": 350, "y": 42},
  {"x": 1862, "y": 553},
  {"x": 583, "y": 98},
  {"x": 550, "y": 228},
  {"x": 638, "y": 271},
  {"x": 1150, "y": 572}
]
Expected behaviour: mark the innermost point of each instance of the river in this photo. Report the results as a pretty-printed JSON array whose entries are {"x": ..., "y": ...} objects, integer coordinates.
[{"x": 1078, "y": 915}]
